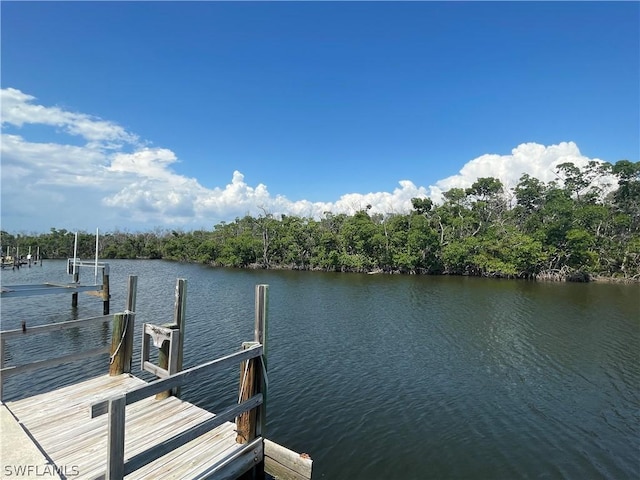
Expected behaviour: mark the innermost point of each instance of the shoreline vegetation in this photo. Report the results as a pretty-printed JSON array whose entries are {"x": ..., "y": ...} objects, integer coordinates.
[{"x": 578, "y": 229}]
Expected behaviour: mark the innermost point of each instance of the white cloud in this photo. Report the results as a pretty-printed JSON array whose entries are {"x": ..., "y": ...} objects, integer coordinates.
[
  {"x": 18, "y": 109},
  {"x": 537, "y": 160},
  {"x": 117, "y": 181},
  {"x": 146, "y": 163},
  {"x": 49, "y": 163}
]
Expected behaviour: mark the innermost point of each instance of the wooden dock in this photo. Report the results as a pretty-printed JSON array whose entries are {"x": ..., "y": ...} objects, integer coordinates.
[
  {"x": 49, "y": 288},
  {"x": 61, "y": 425},
  {"x": 117, "y": 425}
]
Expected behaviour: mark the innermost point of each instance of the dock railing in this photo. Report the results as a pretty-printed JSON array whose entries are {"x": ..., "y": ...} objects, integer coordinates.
[
  {"x": 49, "y": 288},
  {"x": 244, "y": 458},
  {"x": 21, "y": 333},
  {"x": 120, "y": 348},
  {"x": 249, "y": 413}
]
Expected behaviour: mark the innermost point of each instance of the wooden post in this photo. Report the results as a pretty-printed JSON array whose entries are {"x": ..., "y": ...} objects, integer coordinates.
[
  {"x": 249, "y": 384},
  {"x": 252, "y": 424},
  {"x": 76, "y": 279},
  {"x": 106, "y": 295},
  {"x": 179, "y": 315},
  {"x": 115, "y": 438},
  {"x": 130, "y": 308},
  {"x": 122, "y": 325},
  {"x": 252, "y": 380},
  {"x": 163, "y": 362},
  {"x": 260, "y": 335},
  {"x": 179, "y": 312}
]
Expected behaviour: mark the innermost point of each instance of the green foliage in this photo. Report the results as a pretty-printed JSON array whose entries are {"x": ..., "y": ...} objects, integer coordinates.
[{"x": 570, "y": 228}]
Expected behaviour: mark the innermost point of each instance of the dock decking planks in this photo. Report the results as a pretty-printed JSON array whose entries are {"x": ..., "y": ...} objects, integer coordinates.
[{"x": 60, "y": 422}]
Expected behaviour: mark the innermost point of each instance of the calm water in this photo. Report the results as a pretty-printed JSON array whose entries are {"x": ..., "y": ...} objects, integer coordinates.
[{"x": 396, "y": 377}]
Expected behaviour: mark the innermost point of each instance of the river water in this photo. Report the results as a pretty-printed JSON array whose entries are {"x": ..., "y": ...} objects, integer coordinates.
[{"x": 393, "y": 377}]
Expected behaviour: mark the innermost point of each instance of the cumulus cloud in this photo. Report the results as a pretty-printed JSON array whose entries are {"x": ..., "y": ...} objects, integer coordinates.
[
  {"x": 238, "y": 196},
  {"x": 537, "y": 160},
  {"x": 147, "y": 162},
  {"x": 119, "y": 180}
]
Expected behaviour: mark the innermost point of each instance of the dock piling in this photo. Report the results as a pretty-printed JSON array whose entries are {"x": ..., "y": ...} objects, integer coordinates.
[
  {"x": 106, "y": 295},
  {"x": 122, "y": 334},
  {"x": 117, "y": 361},
  {"x": 76, "y": 280},
  {"x": 130, "y": 307}
]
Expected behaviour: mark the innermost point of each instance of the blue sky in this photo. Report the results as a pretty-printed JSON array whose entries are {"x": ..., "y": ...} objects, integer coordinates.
[{"x": 135, "y": 115}]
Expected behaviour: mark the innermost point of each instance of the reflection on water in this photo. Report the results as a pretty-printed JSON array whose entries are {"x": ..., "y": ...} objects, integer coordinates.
[{"x": 396, "y": 376}]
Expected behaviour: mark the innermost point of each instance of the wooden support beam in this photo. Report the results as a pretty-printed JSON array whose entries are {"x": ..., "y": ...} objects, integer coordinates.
[
  {"x": 163, "y": 364},
  {"x": 260, "y": 335},
  {"x": 282, "y": 463},
  {"x": 179, "y": 314},
  {"x": 249, "y": 386},
  {"x": 179, "y": 317},
  {"x": 252, "y": 424},
  {"x": 115, "y": 439},
  {"x": 132, "y": 293}
]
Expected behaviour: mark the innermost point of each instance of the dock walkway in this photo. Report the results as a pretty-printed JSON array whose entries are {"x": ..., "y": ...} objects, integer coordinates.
[{"x": 60, "y": 425}]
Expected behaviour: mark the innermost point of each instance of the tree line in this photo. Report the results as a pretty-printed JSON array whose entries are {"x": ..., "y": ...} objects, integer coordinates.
[{"x": 572, "y": 228}]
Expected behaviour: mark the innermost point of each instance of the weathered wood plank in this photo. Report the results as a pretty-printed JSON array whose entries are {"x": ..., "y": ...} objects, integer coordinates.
[
  {"x": 249, "y": 385},
  {"x": 187, "y": 461},
  {"x": 73, "y": 439},
  {"x": 94, "y": 389},
  {"x": 286, "y": 464},
  {"x": 115, "y": 439},
  {"x": 84, "y": 431},
  {"x": 156, "y": 370},
  {"x": 238, "y": 463},
  {"x": 190, "y": 434}
]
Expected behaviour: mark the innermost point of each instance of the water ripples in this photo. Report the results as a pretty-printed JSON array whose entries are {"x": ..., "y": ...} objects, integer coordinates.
[{"x": 414, "y": 377}]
